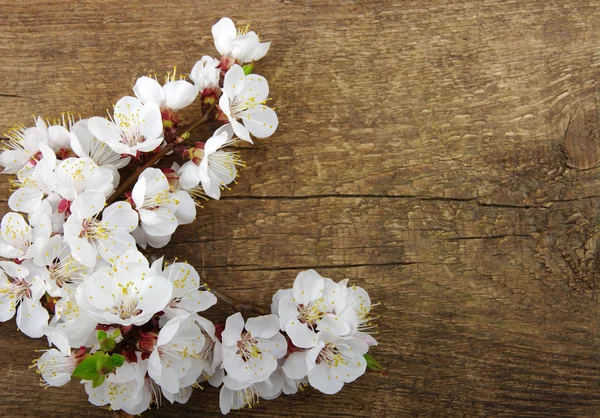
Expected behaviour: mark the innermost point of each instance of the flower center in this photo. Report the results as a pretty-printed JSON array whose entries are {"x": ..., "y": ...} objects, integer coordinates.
[
  {"x": 153, "y": 202},
  {"x": 248, "y": 347},
  {"x": 126, "y": 301},
  {"x": 16, "y": 291},
  {"x": 93, "y": 229},
  {"x": 331, "y": 356},
  {"x": 129, "y": 122},
  {"x": 311, "y": 313},
  {"x": 66, "y": 272}
]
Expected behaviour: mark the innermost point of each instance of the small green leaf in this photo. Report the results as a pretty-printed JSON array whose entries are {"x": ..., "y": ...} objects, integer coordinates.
[
  {"x": 98, "y": 381},
  {"x": 107, "y": 344},
  {"x": 101, "y": 335},
  {"x": 116, "y": 334},
  {"x": 372, "y": 364},
  {"x": 87, "y": 369},
  {"x": 105, "y": 364},
  {"x": 248, "y": 68},
  {"x": 118, "y": 360}
]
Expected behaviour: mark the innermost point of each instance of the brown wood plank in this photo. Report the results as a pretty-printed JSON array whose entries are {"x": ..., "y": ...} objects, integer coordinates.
[{"x": 442, "y": 154}]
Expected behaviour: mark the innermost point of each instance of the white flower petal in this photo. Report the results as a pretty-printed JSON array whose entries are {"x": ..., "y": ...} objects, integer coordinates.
[
  {"x": 105, "y": 130},
  {"x": 233, "y": 329},
  {"x": 88, "y": 204},
  {"x": 260, "y": 367},
  {"x": 233, "y": 82},
  {"x": 149, "y": 90},
  {"x": 261, "y": 121},
  {"x": 334, "y": 324},
  {"x": 151, "y": 122},
  {"x": 120, "y": 215},
  {"x": 83, "y": 251},
  {"x": 308, "y": 286},
  {"x": 265, "y": 326},
  {"x": 321, "y": 379},
  {"x": 236, "y": 367},
  {"x": 179, "y": 94},
  {"x": 224, "y": 32},
  {"x": 32, "y": 317},
  {"x": 300, "y": 334},
  {"x": 25, "y": 199},
  {"x": 240, "y": 130},
  {"x": 294, "y": 366}
]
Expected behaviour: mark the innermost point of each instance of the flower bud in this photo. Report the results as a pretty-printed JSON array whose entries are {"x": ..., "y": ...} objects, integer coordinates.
[
  {"x": 147, "y": 341},
  {"x": 196, "y": 153},
  {"x": 64, "y": 206},
  {"x": 226, "y": 63}
]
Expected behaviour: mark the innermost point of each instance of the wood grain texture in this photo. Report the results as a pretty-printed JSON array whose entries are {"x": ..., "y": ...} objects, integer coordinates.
[{"x": 444, "y": 155}]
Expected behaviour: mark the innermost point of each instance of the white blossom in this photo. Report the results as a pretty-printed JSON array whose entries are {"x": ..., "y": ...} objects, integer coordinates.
[
  {"x": 28, "y": 195},
  {"x": 86, "y": 145},
  {"x": 252, "y": 356},
  {"x": 242, "y": 44},
  {"x": 174, "y": 95},
  {"x": 23, "y": 145},
  {"x": 134, "y": 127},
  {"x": 179, "y": 344},
  {"x": 54, "y": 263},
  {"x": 189, "y": 295},
  {"x": 155, "y": 203},
  {"x": 310, "y": 308},
  {"x": 212, "y": 166},
  {"x": 244, "y": 97},
  {"x": 56, "y": 367},
  {"x": 21, "y": 293},
  {"x": 71, "y": 325},
  {"x": 17, "y": 236},
  {"x": 129, "y": 296},
  {"x": 90, "y": 238},
  {"x": 357, "y": 312},
  {"x": 122, "y": 389},
  {"x": 206, "y": 73},
  {"x": 73, "y": 176},
  {"x": 334, "y": 361}
]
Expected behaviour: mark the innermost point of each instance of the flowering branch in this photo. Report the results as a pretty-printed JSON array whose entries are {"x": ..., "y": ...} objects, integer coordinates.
[
  {"x": 132, "y": 330},
  {"x": 236, "y": 305},
  {"x": 128, "y": 183}
]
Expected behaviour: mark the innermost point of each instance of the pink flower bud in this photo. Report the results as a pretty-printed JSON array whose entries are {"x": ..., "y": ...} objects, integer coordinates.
[{"x": 64, "y": 206}]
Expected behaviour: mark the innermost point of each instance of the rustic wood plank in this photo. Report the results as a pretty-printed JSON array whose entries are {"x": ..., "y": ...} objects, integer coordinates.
[{"x": 444, "y": 155}]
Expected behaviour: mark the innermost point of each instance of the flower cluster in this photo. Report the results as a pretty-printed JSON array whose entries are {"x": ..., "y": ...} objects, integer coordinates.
[
  {"x": 89, "y": 193},
  {"x": 318, "y": 334}
]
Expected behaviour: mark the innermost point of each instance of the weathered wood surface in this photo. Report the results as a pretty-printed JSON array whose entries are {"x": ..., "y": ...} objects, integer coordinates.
[{"x": 442, "y": 154}]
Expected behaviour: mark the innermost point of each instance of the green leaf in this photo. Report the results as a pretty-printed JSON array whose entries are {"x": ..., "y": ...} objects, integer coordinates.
[
  {"x": 101, "y": 335},
  {"x": 372, "y": 364},
  {"x": 105, "y": 364},
  {"x": 118, "y": 360},
  {"x": 96, "y": 366},
  {"x": 248, "y": 68},
  {"x": 107, "y": 344},
  {"x": 87, "y": 369},
  {"x": 98, "y": 380},
  {"x": 116, "y": 334}
]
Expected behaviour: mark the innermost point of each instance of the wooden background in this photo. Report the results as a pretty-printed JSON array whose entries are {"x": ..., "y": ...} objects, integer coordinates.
[{"x": 442, "y": 154}]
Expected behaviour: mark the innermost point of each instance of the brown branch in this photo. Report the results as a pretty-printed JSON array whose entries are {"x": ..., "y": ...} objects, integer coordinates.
[
  {"x": 128, "y": 183},
  {"x": 236, "y": 305}
]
